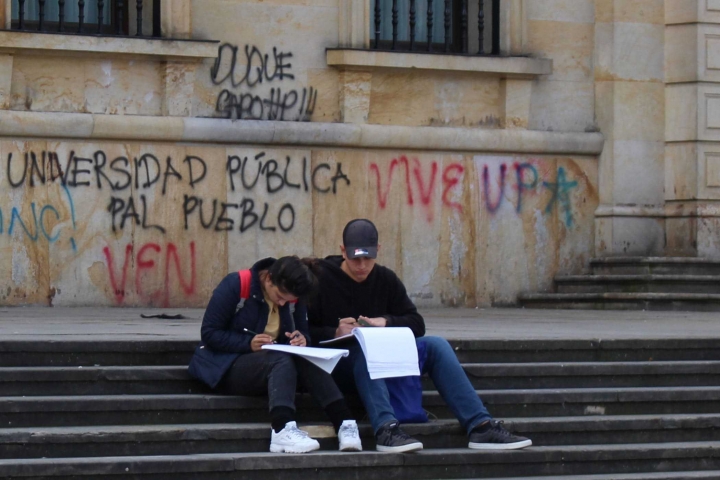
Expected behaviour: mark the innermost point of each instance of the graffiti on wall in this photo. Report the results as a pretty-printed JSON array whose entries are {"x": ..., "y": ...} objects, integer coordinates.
[
  {"x": 262, "y": 191},
  {"x": 419, "y": 184},
  {"x": 147, "y": 259},
  {"x": 241, "y": 72},
  {"x": 125, "y": 177},
  {"x": 499, "y": 185}
]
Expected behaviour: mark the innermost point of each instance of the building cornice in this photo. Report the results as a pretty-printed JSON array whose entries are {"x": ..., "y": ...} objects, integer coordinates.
[{"x": 85, "y": 126}]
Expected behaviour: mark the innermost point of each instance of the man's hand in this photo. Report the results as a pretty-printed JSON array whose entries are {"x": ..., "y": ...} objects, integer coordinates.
[
  {"x": 259, "y": 340},
  {"x": 375, "y": 322},
  {"x": 345, "y": 326},
  {"x": 296, "y": 338}
]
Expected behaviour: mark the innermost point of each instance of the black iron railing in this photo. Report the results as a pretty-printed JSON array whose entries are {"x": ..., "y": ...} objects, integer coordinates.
[
  {"x": 439, "y": 26},
  {"x": 104, "y": 17}
]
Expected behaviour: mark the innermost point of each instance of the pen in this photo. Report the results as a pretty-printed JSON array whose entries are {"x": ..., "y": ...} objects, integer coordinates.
[
  {"x": 292, "y": 328},
  {"x": 253, "y": 333}
]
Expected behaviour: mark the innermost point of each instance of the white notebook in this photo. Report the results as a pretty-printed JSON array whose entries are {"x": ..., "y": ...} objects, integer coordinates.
[
  {"x": 325, "y": 358},
  {"x": 390, "y": 352}
]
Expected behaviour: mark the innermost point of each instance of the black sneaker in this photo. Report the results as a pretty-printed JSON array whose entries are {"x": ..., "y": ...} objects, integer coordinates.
[
  {"x": 497, "y": 438},
  {"x": 390, "y": 438}
]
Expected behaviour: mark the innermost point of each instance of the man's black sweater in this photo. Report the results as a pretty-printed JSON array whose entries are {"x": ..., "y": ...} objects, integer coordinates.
[{"x": 381, "y": 294}]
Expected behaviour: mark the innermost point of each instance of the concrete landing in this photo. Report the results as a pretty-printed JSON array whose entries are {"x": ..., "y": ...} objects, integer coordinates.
[{"x": 103, "y": 323}]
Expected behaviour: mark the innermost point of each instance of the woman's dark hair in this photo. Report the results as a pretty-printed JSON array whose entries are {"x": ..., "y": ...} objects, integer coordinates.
[{"x": 295, "y": 276}]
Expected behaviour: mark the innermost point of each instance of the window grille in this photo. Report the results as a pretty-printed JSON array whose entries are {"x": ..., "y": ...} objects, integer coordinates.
[
  {"x": 104, "y": 17},
  {"x": 438, "y": 26}
]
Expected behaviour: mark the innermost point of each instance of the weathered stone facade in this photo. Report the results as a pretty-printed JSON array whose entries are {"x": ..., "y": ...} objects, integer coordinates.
[{"x": 140, "y": 171}]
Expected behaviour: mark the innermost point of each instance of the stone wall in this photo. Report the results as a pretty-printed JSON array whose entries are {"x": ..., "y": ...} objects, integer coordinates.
[
  {"x": 160, "y": 224},
  {"x": 143, "y": 176}
]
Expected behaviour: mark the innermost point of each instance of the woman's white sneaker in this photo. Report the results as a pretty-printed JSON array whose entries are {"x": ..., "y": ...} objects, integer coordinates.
[
  {"x": 349, "y": 437},
  {"x": 292, "y": 440}
]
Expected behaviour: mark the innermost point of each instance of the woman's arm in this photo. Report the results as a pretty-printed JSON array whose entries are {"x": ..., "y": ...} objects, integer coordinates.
[{"x": 215, "y": 331}]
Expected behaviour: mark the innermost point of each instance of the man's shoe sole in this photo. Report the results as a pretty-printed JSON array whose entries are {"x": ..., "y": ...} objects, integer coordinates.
[
  {"x": 284, "y": 449},
  {"x": 500, "y": 446},
  {"x": 410, "y": 447},
  {"x": 351, "y": 448}
]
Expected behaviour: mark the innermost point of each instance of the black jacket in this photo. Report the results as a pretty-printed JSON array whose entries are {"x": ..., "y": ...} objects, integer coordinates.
[
  {"x": 381, "y": 294},
  {"x": 223, "y": 338}
]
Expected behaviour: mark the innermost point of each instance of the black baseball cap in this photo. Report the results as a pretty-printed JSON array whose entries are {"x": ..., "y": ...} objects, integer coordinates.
[{"x": 360, "y": 238}]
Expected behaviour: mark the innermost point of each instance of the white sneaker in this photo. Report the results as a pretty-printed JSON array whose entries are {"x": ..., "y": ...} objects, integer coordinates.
[
  {"x": 292, "y": 440},
  {"x": 349, "y": 437}
]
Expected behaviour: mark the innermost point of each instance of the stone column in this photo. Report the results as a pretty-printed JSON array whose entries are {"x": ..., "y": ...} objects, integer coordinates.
[
  {"x": 6, "y": 14},
  {"x": 6, "y": 71},
  {"x": 354, "y": 96},
  {"x": 354, "y": 23},
  {"x": 6, "y": 61},
  {"x": 692, "y": 127},
  {"x": 629, "y": 108},
  {"x": 175, "y": 19}
]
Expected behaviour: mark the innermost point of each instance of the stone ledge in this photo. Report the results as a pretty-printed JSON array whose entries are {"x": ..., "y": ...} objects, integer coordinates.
[
  {"x": 506, "y": 67},
  {"x": 36, "y": 43},
  {"x": 651, "y": 260},
  {"x": 644, "y": 296},
  {"x": 672, "y": 209},
  {"x": 87, "y": 126},
  {"x": 629, "y": 211}
]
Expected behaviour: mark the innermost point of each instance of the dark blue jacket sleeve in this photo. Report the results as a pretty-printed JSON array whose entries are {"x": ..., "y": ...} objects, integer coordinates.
[{"x": 216, "y": 331}]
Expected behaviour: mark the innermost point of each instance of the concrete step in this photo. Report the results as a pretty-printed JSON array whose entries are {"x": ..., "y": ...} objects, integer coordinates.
[
  {"x": 21, "y": 412},
  {"x": 638, "y": 283},
  {"x": 710, "y": 474},
  {"x": 610, "y": 350},
  {"x": 487, "y": 376},
  {"x": 174, "y": 379},
  {"x": 127, "y": 380},
  {"x": 589, "y": 401},
  {"x": 427, "y": 464},
  {"x": 178, "y": 353},
  {"x": 699, "y": 302},
  {"x": 60, "y": 442},
  {"x": 654, "y": 266},
  {"x": 46, "y": 353}
]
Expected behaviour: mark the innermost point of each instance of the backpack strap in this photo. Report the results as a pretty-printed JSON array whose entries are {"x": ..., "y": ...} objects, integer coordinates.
[{"x": 245, "y": 280}]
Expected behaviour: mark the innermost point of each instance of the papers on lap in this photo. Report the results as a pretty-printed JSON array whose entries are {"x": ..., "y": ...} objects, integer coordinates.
[
  {"x": 325, "y": 358},
  {"x": 336, "y": 340},
  {"x": 389, "y": 352}
]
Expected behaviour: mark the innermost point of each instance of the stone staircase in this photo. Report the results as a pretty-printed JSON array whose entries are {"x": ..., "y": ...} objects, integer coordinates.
[
  {"x": 615, "y": 409},
  {"x": 636, "y": 283}
]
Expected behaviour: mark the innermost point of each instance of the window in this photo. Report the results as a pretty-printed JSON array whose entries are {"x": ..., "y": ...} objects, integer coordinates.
[
  {"x": 105, "y": 17},
  {"x": 439, "y": 26}
]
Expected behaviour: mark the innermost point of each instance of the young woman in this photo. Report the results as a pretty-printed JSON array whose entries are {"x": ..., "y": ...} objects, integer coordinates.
[{"x": 230, "y": 359}]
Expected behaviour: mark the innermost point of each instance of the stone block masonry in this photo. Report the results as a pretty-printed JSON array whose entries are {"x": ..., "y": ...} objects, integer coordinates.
[{"x": 132, "y": 224}]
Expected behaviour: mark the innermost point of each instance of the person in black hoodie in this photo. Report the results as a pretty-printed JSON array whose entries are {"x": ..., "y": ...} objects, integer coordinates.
[
  {"x": 354, "y": 290},
  {"x": 230, "y": 358}
]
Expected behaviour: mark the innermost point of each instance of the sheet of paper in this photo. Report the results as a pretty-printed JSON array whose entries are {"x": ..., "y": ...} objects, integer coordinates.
[
  {"x": 342, "y": 339},
  {"x": 389, "y": 352},
  {"x": 325, "y": 358}
]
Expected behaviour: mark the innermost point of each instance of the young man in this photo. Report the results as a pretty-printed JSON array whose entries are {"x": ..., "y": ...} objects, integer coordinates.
[{"x": 353, "y": 288}]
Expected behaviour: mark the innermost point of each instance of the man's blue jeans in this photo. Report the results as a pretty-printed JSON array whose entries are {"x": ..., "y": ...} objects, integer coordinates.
[{"x": 441, "y": 365}]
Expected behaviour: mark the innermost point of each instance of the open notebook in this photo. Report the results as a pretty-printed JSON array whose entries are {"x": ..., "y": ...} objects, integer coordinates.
[
  {"x": 390, "y": 352},
  {"x": 325, "y": 358}
]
